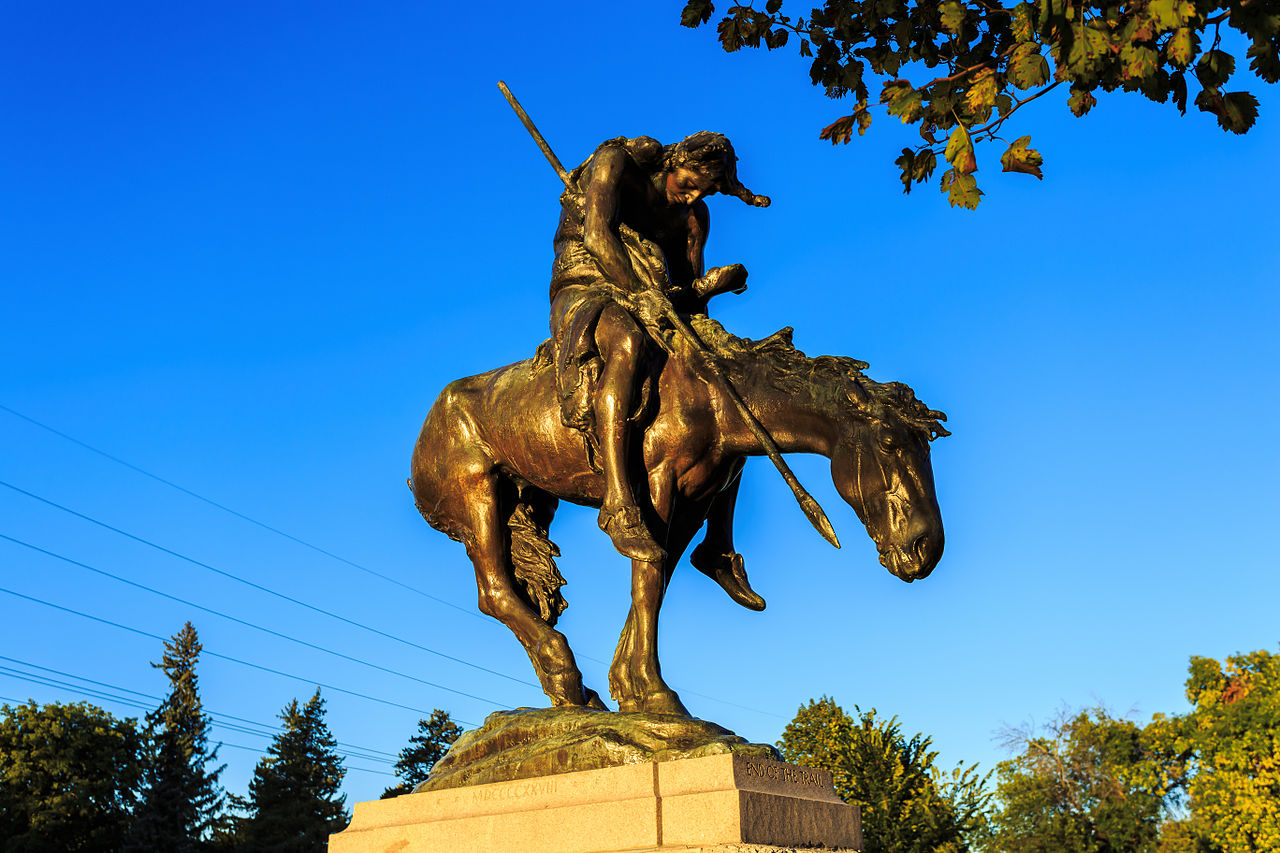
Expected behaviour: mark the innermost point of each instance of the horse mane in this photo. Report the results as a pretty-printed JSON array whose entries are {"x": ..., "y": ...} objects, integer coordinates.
[{"x": 776, "y": 361}]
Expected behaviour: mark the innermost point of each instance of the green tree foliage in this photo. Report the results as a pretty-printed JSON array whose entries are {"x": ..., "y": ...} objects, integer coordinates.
[
  {"x": 293, "y": 802},
  {"x": 1226, "y": 752},
  {"x": 1184, "y": 835},
  {"x": 68, "y": 777},
  {"x": 181, "y": 798},
  {"x": 1083, "y": 784},
  {"x": 908, "y": 805},
  {"x": 434, "y": 737},
  {"x": 976, "y": 62}
]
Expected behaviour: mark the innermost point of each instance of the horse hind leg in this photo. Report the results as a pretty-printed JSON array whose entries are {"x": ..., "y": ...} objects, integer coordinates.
[{"x": 547, "y": 648}]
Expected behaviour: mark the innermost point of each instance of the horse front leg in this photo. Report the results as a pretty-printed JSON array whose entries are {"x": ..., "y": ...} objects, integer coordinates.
[{"x": 635, "y": 679}]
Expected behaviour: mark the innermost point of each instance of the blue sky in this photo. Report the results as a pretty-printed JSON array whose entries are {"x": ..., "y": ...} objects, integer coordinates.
[{"x": 245, "y": 245}]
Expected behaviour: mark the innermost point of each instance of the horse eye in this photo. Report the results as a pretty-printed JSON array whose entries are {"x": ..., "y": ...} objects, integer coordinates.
[{"x": 888, "y": 442}]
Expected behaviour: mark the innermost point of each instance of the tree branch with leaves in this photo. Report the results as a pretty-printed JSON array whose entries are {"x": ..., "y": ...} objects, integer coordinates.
[{"x": 994, "y": 53}]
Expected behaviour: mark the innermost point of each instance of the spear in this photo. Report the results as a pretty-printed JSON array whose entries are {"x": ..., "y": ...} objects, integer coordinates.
[{"x": 812, "y": 510}]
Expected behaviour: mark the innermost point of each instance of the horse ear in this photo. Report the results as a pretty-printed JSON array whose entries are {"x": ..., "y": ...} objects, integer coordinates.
[
  {"x": 782, "y": 336},
  {"x": 858, "y": 395}
]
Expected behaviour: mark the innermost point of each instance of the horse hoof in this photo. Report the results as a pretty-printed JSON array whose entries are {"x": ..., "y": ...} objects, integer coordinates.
[
  {"x": 566, "y": 690},
  {"x": 664, "y": 702},
  {"x": 620, "y": 685},
  {"x": 594, "y": 701}
]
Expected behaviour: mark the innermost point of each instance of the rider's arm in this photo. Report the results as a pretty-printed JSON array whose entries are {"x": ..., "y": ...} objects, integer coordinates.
[
  {"x": 709, "y": 283},
  {"x": 601, "y": 199}
]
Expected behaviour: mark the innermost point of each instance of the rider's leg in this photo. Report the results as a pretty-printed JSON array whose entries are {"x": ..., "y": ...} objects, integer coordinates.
[
  {"x": 716, "y": 558},
  {"x": 620, "y": 343}
]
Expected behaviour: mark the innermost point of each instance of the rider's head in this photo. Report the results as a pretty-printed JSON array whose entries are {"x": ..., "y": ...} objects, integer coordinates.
[{"x": 702, "y": 164}]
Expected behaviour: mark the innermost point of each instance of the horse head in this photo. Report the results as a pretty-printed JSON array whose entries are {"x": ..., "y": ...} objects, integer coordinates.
[
  {"x": 880, "y": 447},
  {"x": 880, "y": 465}
]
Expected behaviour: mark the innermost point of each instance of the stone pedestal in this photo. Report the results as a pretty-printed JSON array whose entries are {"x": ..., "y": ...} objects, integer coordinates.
[{"x": 722, "y": 802}]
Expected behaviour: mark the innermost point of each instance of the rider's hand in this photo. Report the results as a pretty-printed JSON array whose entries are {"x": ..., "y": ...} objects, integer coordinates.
[
  {"x": 730, "y": 279},
  {"x": 651, "y": 306}
]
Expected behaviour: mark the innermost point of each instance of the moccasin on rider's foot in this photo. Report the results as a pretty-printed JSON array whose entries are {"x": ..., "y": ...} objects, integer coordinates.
[
  {"x": 630, "y": 536},
  {"x": 730, "y": 572}
]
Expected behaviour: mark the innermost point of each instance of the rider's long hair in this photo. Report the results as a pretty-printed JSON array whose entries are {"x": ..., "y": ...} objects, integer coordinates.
[{"x": 712, "y": 155}]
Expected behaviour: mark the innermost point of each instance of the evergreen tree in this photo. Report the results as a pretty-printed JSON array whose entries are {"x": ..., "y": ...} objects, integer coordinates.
[
  {"x": 293, "y": 804},
  {"x": 181, "y": 797},
  {"x": 68, "y": 778},
  {"x": 433, "y": 740}
]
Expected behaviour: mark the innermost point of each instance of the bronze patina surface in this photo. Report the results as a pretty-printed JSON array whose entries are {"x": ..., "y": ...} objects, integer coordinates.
[
  {"x": 494, "y": 459},
  {"x": 531, "y": 742},
  {"x": 642, "y": 406}
]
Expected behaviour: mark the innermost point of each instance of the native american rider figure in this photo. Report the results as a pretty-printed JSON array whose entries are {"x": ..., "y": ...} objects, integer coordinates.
[{"x": 630, "y": 246}]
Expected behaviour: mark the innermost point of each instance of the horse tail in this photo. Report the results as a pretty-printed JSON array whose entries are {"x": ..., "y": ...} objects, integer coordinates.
[{"x": 533, "y": 554}]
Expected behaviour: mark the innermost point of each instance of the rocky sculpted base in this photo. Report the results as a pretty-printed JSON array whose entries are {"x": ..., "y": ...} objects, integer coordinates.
[{"x": 528, "y": 743}]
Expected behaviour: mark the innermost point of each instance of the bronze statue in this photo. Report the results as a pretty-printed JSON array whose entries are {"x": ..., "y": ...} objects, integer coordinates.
[
  {"x": 604, "y": 311},
  {"x": 644, "y": 407}
]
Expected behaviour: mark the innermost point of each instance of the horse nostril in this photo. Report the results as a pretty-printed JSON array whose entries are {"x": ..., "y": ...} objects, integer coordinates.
[{"x": 920, "y": 548}]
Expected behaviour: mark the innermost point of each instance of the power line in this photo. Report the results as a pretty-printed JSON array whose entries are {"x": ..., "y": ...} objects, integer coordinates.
[
  {"x": 246, "y": 623},
  {"x": 22, "y": 702},
  {"x": 155, "y": 698},
  {"x": 217, "y": 718},
  {"x": 115, "y": 687},
  {"x": 344, "y": 767},
  {"x": 317, "y": 549},
  {"x": 240, "y": 515},
  {"x": 49, "y": 682},
  {"x": 97, "y": 694},
  {"x": 256, "y": 666},
  {"x": 262, "y": 588},
  {"x": 45, "y": 681},
  {"x": 733, "y": 704}
]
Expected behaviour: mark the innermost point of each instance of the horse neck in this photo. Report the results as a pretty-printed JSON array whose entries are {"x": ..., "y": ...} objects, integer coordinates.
[{"x": 799, "y": 420}]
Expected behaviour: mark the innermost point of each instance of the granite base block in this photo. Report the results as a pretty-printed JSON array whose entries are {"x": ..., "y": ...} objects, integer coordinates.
[{"x": 721, "y": 803}]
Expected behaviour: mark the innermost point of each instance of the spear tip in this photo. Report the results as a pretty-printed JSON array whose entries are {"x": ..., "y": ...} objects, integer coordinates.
[{"x": 819, "y": 519}]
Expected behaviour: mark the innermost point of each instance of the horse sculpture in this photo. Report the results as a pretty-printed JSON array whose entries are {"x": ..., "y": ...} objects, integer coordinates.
[{"x": 493, "y": 460}]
